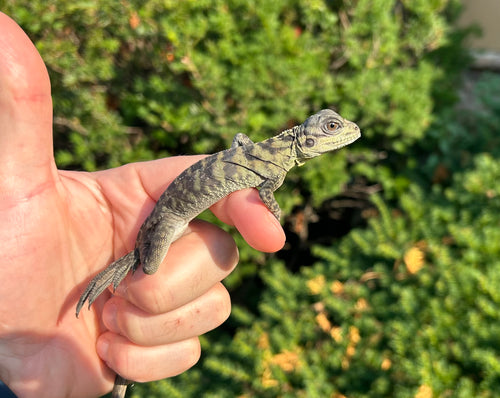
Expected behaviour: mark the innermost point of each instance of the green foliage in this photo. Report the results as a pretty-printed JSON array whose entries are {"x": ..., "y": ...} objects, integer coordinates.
[{"x": 178, "y": 77}]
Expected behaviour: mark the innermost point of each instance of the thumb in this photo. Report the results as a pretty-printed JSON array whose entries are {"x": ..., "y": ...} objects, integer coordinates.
[{"x": 26, "y": 157}]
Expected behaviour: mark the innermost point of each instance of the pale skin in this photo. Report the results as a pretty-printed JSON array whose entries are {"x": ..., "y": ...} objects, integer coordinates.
[{"x": 59, "y": 228}]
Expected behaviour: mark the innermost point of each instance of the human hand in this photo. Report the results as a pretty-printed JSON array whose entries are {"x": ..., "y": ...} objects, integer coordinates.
[{"x": 59, "y": 228}]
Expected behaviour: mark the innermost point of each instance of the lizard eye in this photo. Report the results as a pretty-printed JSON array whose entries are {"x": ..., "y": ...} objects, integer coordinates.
[{"x": 332, "y": 126}]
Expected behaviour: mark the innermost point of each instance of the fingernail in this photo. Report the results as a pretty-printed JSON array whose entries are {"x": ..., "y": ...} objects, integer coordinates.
[{"x": 102, "y": 348}]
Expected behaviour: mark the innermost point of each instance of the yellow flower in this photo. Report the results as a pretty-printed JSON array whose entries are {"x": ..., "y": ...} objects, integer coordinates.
[
  {"x": 337, "y": 288},
  {"x": 361, "y": 304},
  {"x": 286, "y": 360},
  {"x": 386, "y": 364},
  {"x": 263, "y": 342},
  {"x": 336, "y": 334},
  {"x": 316, "y": 284},
  {"x": 424, "y": 391},
  {"x": 323, "y": 322},
  {"x": 354, "y": 336},
  {"x": 414, "y": 260}
]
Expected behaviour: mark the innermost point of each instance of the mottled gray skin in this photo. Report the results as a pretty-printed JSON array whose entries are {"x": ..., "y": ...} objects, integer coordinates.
[{"x": 244, "y": 165}]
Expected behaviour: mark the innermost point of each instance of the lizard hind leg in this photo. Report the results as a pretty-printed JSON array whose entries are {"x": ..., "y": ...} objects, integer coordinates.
[
  {"x": 112, "y": 274},
  {"x": 153, "y": 254},
  {"x": 155, "y": 242}
]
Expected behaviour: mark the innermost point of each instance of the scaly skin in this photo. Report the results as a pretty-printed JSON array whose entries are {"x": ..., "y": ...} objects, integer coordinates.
[{"x": 244, "y": 165}]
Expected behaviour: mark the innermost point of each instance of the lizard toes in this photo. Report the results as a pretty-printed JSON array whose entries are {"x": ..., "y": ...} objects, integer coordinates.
[{"x": 113, "y": 274}]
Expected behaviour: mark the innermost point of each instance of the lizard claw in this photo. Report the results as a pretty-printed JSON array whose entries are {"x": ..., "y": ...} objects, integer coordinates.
[{"x": 112, "y": 274}]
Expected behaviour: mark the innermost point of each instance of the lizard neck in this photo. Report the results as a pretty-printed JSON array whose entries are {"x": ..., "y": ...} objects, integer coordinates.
[
  {"x": 281, "y": 149},
  {"x": 287, "y": 142}
]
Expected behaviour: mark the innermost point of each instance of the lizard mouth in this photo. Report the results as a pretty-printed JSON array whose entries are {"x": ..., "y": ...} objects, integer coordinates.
[{"x": 352, "y": 136}]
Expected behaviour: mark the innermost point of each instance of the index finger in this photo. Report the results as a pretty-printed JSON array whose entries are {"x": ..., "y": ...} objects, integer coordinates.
[{"x": 245, "y": 210}]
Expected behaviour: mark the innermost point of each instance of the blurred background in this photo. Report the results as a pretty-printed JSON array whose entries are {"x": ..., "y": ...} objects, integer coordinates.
[{"x": 389, "y": 282}]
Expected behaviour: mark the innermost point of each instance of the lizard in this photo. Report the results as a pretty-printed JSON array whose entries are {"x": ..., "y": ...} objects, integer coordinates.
[{"x": 245, "y": 164}]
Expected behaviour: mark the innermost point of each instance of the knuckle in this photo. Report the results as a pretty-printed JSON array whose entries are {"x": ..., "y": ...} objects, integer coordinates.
[
  {"x": 134, "y": 329},
  {"x": 154, "y": 300}
]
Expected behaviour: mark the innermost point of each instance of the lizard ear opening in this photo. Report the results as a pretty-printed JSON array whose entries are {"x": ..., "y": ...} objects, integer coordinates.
[{"x": 310, "y": 142}]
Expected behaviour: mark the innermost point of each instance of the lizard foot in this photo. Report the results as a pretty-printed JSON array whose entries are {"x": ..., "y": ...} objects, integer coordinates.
[{"x": 113, "y": 274}]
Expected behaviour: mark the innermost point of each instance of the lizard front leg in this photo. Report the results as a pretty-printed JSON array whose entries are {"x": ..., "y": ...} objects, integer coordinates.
[
  {"x": 266, "y": 194},
  {"x": 241, "y": 139}
]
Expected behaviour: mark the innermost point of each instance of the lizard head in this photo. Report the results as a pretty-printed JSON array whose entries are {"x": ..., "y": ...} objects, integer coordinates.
[{"x": 323, "y": 132}]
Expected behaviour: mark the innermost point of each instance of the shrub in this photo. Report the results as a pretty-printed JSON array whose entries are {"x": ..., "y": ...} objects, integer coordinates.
[
  {"x": 137, "y": 80},
  {"x": 375, "y": 315}
]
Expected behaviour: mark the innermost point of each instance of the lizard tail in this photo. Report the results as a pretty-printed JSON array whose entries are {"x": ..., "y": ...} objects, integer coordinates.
[
  {"x": 120, "y": 387},
  {"x": 113, "y": 274}
]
